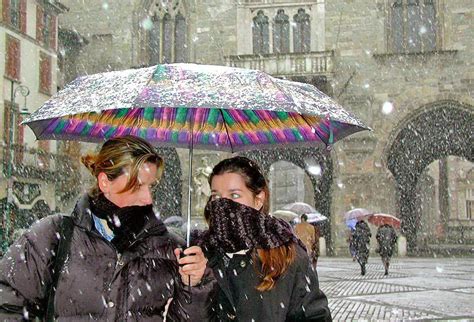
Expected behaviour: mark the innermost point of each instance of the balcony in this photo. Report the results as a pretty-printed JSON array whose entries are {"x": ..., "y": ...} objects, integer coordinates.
[{"x": 286, "y": 65}]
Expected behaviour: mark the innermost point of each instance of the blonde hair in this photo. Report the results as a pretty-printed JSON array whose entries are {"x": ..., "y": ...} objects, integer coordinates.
[{"x": 118, "y": 154}]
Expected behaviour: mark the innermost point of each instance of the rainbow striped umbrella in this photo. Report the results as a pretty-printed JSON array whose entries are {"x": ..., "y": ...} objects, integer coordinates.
[
  {"x": 194, "y": 106},
  {"x": 225, "y": 108}
]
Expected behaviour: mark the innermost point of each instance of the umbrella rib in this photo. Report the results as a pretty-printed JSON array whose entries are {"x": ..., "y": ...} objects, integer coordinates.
[
  {"x": 226, "y": 130},
  {"x": 309, "y": 124}
]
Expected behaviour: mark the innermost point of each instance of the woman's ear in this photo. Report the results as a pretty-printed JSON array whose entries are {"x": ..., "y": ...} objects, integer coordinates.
[
  {"x": 260, "y": 200},
  {"x": 103, "y": 183}
]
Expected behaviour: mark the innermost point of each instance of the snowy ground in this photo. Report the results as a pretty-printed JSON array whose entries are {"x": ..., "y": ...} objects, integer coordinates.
[{"x": 415, "y": 289}]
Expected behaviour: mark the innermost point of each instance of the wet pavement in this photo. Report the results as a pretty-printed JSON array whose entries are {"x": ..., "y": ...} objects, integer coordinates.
[{"x": 415, "y": 289}]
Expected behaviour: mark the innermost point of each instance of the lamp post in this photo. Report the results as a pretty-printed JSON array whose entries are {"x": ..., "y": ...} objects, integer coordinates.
[{"x": 23, "y": 91}]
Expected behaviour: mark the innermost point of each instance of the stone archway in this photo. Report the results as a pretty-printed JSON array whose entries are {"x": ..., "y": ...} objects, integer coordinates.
[
  {"x": 168, "y": 194},
  {"x": 443, "y": 128},
  {"x": 321, "y": 184}
]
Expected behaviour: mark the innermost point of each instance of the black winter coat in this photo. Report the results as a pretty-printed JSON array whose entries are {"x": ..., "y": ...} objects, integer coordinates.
[
  {"x": 96, "y": 283},
  {"x": 361, "y": 240},
  {"x": 296, "y": 296},
  {"x": 387, "y": 238}
]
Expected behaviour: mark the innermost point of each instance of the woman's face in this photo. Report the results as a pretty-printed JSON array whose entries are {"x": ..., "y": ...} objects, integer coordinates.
[
  {"x": 142, "y": 196},
  {"x": 232, "y": 186}
]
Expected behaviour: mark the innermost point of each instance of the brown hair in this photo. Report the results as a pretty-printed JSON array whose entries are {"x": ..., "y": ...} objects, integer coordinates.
[
  {"x": 118, "y": 154},
  {"x": 274, "y": 261}
]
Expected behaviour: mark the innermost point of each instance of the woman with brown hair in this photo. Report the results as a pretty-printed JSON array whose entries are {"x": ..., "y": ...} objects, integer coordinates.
[
  {"x": 262, "y": 272},
  {"x": 120, "y": 261}
]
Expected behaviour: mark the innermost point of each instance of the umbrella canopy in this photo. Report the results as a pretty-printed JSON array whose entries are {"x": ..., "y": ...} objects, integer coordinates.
[
  {"x": 351, "y": 223},
  {"x": 357, "y": 213},
  {"x": 384, "y": 219},
  {"x": 221, "y": 108},
  {"x": 194, "y": 106},
  {"x": 286, "y": 215},
  {"x": 313, "y": 218},
  {"x": 300, "y": 208}
]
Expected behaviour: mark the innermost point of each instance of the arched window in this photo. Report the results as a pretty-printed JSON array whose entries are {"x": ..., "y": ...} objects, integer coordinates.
[
  {"x": 154, "y": 42},
  {"x": 180, "y": 39},
  {"x": 260, "y": 34},
  {"x": 166, "y": 38},
  {"x": 302, "y": 32},
  {"x": 281, "y": 33},
  {"x": 412, "y": 26}
]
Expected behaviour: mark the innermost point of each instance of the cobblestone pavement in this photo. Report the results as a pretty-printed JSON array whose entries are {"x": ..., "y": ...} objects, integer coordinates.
[{"x": 415, "y": 289}]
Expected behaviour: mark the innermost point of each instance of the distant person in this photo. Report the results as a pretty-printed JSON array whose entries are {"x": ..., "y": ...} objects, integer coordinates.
[
  {"x": 350, "y": 241},
  {"x": 386, "y": 238},
  {"x": 361, "y": 240},
  {"x": 309, "y": 235}
]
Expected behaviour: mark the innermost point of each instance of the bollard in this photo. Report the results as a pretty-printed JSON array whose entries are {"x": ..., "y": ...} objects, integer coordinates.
[
  {"x": 322, "y": 246},
  {"x": 402, "y": 246}
]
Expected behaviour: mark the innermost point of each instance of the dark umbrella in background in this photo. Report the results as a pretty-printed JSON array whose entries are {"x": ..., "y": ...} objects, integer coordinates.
[{"x": 194, "y": 106}]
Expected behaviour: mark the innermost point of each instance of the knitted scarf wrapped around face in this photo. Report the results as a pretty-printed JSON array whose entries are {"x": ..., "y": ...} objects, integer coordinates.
[{"x": 234, "y": 227}]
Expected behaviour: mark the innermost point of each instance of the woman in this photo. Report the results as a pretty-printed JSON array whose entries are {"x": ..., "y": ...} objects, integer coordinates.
[
  {"x": 386, "y": 238},
  {"x": 361, "y": 240},
  {"x": 121, "y": 263},
  {"x": 262, "y": 272}
]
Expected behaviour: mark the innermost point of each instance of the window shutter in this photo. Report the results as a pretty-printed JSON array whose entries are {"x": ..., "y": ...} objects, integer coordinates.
[
  {"x": 52, "y": 35},
  {"x": 12, "y": 69},
  {"x": 39, "y": 23},
  {"x": 6, "y": 11},
  {"x": 45, "y": 74},
  {"x": 23, "y": 16}
]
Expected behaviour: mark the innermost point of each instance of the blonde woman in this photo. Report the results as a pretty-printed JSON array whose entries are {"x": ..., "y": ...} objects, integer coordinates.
[{"x": 121, "y": 262}]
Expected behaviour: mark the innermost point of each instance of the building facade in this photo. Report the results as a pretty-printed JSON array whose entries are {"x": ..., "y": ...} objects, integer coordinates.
[
  {"x": 404, "y": 66},
  {"x": 28, "y": 61}
]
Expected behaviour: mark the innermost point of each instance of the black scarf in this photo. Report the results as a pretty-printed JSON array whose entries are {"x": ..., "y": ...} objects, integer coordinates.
[
  {"x": 234, "y": 227},
  {"x": 125, "y": 222}
]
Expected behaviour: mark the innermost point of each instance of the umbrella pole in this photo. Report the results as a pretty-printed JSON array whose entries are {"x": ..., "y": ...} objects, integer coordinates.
[{"x": 190, "y": 182}]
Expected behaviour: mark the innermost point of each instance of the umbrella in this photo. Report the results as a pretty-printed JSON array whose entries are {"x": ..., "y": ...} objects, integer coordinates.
[
  {"x": 313, "y": 218},
  {"x": 194, "y": 106},
  {"x": 300, "y": 208},
  {"x": 285, "y": 215},
  {"x": 357, "y": 213},
  {"x": 384, "y": 219}
]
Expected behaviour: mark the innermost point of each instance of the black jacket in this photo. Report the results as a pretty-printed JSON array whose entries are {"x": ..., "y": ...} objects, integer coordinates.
[
  {"x": 96, "y": 282},
  {"x": 296, "y": 296}
]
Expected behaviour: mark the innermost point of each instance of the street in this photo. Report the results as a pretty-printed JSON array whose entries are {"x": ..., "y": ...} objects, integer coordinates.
[{"x": 415, "y": 289}]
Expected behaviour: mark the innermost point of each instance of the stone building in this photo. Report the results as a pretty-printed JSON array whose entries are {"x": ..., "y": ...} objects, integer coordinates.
[
  {"x": 404, "y": 66},
  {"x": 28, "y": 60}
]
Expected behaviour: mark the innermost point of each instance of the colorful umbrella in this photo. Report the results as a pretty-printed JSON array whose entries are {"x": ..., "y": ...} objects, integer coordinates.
[
  {"x": 194, "y": 106},
  {"x": 357, "y": 213},
  {"x": 384, "y": 219}
]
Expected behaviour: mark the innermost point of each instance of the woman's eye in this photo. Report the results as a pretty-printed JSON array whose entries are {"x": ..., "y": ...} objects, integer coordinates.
[
  {"x": 235, "y": 196},
  {"x": 214, "y": 197}
]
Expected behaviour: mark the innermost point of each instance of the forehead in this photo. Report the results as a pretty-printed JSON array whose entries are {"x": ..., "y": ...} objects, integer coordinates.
[{"x": 228, "y": 181}]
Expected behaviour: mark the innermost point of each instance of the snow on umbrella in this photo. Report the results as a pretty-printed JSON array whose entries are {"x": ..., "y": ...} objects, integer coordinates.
[
  {"x": 384, "y": 219},
  {"x": 286, "y": 215},
  {"x": 357, "y": 213},
  {"x": 300, "y": 208},
  {"x": 194, "y": 106},
  {"x": 313, "y": 218}
]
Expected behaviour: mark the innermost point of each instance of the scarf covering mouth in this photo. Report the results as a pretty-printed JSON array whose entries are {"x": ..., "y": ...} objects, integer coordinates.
[
  {"x": 126, "y": 222},
  {"x": 234, "y": 227}
]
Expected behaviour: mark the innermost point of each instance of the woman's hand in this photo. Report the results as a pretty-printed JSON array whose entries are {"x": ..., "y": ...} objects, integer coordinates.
[{"x": 192, "y": 266}]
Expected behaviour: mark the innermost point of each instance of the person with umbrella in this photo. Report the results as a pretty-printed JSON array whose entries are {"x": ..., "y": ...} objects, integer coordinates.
[
  {"x": 263, "y": 273},
  {"x": 361, "y": 240},
  {"x": 309, "y": 235},
  {"x": 120, "y": 262},
  {"x": 386, "y": 238}
]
